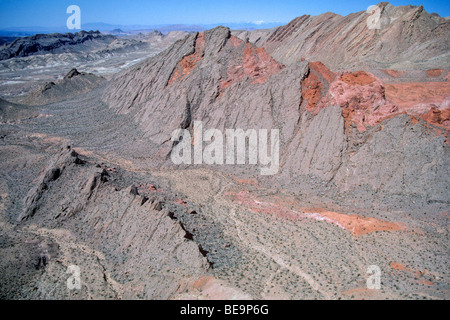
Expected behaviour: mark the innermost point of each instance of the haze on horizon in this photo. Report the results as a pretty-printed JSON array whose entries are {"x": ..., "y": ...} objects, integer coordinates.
[{"x": 52, "y": 13}]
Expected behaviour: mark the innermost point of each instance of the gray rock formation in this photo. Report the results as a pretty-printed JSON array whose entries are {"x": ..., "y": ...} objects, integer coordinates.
[
  {"x": 139, "y": 236},
  {"x": 55, "y": 43},
  {"x": 73, "y": 84},
  {"x": 401, "y": 159},
  {"x": 12, "y": 112},
  {"x": 257, "y": 37},
  {"x": 408, "y": 38},
  {"x": 321, "y": 147}
]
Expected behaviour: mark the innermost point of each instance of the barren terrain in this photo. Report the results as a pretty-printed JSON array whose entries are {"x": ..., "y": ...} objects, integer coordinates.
[{"x": 86, "y": 177}]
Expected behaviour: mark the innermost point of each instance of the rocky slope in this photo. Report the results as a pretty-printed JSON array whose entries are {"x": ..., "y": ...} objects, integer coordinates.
[
  {"x": 326, "y": 120},
  {"x": 74, "y": 83},
  {"x": 13, "y": 112},
  {"x": 144, "y": 241},
  {"x": 59, "y": 204},
  {"x": 408, "y": 38}
]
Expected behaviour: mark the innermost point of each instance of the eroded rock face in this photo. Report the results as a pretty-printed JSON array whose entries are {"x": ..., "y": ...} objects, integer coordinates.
[
  {"x": 316, "y": 85},
  {"x": 72, "y": 73},
  {"x": 322, "y": 143},
  {"x": 438, "y": 117},
  {"x": 256, "y": 37},
  {"x": 189, "y": 62},
  {"x": 226, "y": 83},
  {"x": 208, "y": 84},
  {"x": 256, "y": 64},
  {"x": 366, "y": 100}
]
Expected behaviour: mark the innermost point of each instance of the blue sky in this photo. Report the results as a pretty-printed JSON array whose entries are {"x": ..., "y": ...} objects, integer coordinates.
[{"x": 52, "y": 13}]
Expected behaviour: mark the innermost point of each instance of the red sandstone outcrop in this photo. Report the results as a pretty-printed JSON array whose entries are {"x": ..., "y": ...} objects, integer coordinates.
[
  {"x": 366, "y": 100},
  {"x": 433, "y": 73},
  {"x": 189, "y": 62},
  {"x": 315, "y": 86},
  {"x": 256, "y": 65},
  {"x": 393, "y": 73},
  {"x": 361, "y": 96}
]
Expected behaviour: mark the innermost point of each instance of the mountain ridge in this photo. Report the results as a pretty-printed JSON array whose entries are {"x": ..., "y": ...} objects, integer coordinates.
[{"x": 408, "y": 38}]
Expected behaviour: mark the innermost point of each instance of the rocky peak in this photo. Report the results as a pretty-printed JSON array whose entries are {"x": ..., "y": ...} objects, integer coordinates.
[{"x": 72, "y": 73}]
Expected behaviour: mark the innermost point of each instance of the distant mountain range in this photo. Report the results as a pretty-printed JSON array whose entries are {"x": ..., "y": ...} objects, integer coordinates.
[{"x": 164, "y": 28}]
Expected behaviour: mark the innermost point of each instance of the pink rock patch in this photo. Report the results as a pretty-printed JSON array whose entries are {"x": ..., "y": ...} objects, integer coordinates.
[
  {"x": 361, "y": 95},
  {"x": 188, "y": 63},
  {"x": 357, "y": 225},
  {"x": 256, "y": 64}
]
